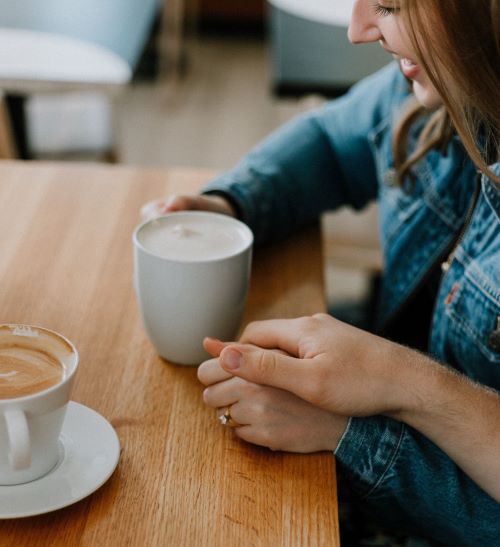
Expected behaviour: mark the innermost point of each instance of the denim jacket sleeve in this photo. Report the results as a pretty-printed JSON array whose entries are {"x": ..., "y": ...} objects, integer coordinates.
[
  {"x": 318, "y": 161},
  {"x": 406, "y": 482}
]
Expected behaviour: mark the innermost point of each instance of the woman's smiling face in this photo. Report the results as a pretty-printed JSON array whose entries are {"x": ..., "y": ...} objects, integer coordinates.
[{"x": 380, "y": 21}]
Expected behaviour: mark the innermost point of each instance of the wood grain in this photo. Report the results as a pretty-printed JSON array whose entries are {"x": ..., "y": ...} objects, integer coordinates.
[{"x": 66, "y": 263}]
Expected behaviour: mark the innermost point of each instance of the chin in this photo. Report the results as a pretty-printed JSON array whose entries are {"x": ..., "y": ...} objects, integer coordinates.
[{"x": 426, "y": 94}]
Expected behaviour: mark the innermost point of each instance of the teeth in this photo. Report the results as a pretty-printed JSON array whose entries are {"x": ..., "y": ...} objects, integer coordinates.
[{"x": 408, "y": 63}]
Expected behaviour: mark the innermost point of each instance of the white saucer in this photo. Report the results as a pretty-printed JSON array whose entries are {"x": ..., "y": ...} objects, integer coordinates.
[{"x": 89, "y": 449}]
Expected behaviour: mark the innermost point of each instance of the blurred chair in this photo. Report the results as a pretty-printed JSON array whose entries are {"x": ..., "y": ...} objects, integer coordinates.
[{"x": 55, "y": 46}]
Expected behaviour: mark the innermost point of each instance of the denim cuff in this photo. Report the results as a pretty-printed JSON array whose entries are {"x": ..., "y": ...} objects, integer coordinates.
[
  {"x": 367, "y": 451},
  {"x": 236, "y": 205},
  {"x": 241, "y": 186}
]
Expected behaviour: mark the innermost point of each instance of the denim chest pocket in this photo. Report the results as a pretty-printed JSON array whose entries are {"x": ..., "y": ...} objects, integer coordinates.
[
  {"x": 474, "y": 330},
  {"x": 475, "y": 308}
]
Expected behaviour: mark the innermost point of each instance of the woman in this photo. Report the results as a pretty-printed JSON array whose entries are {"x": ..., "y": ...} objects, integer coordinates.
[{"x": 412, "y": 412}]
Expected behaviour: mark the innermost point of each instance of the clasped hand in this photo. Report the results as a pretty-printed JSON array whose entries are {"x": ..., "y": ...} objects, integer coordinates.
[{"x": 292, "y": 383}]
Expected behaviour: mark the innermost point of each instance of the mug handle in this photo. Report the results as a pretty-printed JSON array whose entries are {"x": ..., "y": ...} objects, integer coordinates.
[{"x": 19, "y": 439}]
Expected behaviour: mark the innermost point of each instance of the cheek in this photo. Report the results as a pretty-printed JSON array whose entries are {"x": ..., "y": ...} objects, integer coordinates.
[{"x": 396, "y": 37}]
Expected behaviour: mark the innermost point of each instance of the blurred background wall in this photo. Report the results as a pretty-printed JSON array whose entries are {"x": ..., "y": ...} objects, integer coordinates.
[{"x": 208, "y": 78}]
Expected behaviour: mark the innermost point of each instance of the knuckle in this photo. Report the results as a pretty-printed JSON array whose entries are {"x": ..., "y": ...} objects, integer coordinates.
[
  {"x": 266, "y": 363},
  {"x": 321, "y": 316},
  {"x": 260, "y": 411},
  {"x": 251, "y": 390},
  {"x": 308, "y": 323},
  {"x": 246, "y": 390},
  {"x": 303, "y": 322},
  {"x": 316, "y": 387}
]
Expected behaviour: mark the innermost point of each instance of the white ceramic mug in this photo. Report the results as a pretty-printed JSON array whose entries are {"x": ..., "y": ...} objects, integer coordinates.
[
  {"x": 191, "y": 276},
  {"x": 30, "y": 424}
]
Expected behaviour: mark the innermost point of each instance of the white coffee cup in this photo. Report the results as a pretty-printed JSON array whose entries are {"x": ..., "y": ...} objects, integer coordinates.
[
  {"x": 191, "y": 276},
  {"x": 32, "y": 415}
]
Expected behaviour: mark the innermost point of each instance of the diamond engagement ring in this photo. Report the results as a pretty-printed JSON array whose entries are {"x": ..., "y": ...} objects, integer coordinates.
[{"x": 226, "y": 419}]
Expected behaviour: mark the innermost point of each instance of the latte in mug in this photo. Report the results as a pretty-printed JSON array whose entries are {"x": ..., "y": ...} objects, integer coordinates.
[
  {"x": 27, "y": 365},
  {"x": 37, "y": 369},
  {"x": 191, "y": 275}
]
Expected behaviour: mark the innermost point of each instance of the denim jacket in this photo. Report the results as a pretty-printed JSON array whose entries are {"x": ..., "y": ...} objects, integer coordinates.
[{"x": 342, "y": 155}]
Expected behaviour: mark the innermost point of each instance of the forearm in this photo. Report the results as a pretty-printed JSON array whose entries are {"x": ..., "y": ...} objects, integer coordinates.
[
  {"x": 286, "y": 181},
  {"x": 461, "y": 417}
]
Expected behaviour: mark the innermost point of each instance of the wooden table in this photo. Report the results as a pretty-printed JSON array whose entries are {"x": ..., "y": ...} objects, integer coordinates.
[{"x": 66, "y": 263}]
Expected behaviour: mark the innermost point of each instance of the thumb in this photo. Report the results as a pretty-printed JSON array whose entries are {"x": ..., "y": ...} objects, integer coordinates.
[{"x": 268, "y": 367}]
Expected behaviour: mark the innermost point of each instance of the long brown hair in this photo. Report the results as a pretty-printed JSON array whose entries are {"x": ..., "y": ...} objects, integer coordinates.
[{"x": 461, "y": 39}]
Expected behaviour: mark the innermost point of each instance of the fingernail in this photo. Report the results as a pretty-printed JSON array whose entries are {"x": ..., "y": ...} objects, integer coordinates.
[{"x": 231, "y": 358}]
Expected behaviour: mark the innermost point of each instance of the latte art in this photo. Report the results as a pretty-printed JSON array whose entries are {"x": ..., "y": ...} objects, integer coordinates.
[{"x": 25, "y": 370}]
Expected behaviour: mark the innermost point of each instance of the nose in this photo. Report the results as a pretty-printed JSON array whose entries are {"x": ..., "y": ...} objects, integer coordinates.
[{"x": 363, "y": 27}]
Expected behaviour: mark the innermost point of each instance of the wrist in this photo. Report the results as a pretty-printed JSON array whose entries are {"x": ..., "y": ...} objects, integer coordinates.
[
  {"x": 334, "y": 429},
  {"x": 227, "y": 203},
  {"x": 422, "y": 387},
  {"x": 224, "y": 206}
]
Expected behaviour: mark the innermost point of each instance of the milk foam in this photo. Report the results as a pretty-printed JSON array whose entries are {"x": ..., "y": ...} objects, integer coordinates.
[{"x": 194, "y": 238}]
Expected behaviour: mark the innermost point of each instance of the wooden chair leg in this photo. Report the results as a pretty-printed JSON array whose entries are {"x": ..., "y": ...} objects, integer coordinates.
[
  {"x": 179, "y": 18},
  {"x": 7, "y": 142}
]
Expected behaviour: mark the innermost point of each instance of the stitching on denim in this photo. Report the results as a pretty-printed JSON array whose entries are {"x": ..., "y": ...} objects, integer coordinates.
[
  {"x": 433, "y": 200},
  {"x": 462, "y": 256},
  {"x": 474, "y": 274},
  {"x": 388, "y": 466},
  {"x": 445, "y": 215},
  {"x": 374, "y": 138},
  {"x": 461, "y": 325},
  {"x": 485, "y": 288},
  {"x": 410, "y": 210},
  {"x": 459, "y": 322}
]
